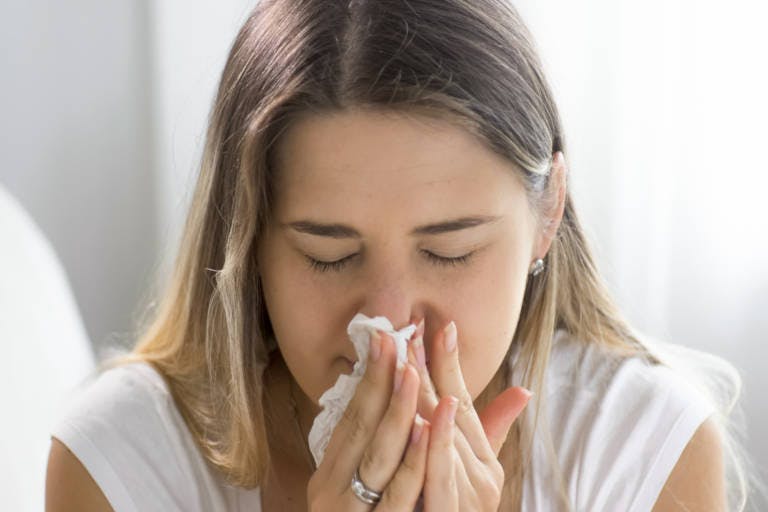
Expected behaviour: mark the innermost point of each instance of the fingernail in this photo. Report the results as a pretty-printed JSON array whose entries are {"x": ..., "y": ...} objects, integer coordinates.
[
  {"x": 375, "y": 349},
  {"x": 450, "y": 337},
  {"x": 418, "y": 428},
  {"x": 418, "y": 349},
  {"x": 398, "y": 376},
  {"x": 453, "y": 404},
  {"x": 528, "y": 393}
]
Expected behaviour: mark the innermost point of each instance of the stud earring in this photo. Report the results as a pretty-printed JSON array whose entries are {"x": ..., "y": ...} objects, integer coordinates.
[{"x": 536, "y": 267}]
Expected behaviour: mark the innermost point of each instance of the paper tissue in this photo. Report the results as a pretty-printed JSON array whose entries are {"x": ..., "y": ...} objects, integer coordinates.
[{"x": 334, "y": 401}]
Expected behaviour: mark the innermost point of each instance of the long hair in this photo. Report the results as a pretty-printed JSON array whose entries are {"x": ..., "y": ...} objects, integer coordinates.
[{"x": 471, "y": 62}]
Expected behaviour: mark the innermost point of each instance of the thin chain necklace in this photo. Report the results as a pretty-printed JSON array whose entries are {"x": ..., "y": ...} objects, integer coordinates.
[{"x": 303, "y": 439}]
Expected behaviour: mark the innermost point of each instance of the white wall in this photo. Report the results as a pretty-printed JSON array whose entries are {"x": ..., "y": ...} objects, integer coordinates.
[
  {"x": 190, "y": 44},
  {"x": 664, "y": 104},
  {"x": 75, "y": 144}
]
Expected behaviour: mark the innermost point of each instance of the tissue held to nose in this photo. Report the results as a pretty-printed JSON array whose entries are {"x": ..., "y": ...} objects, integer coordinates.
[{"x": 334, "y": 401}]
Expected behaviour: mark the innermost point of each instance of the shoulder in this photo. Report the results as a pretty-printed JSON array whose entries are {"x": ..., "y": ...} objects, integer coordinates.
[
  {"x": 126, "y": 433},
  {"x": 697, "y": 480},
  {"x": 618, "y": 424},
  {"x": 602, "y": 379},
  {"x": 125, "y": 404},
  {"x": 68, "y": 485}
]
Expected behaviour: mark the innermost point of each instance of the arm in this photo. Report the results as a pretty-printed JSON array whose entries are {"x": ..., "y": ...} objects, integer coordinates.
[
  {"x": 69, "y": 487},
  {"x": 697, "y": 482}
]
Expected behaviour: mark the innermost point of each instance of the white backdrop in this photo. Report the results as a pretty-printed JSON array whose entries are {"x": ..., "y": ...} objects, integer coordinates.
[{"x": 665, "y": 108}]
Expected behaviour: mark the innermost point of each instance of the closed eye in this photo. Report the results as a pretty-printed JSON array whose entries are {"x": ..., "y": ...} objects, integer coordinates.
[
  {"x": 338, "y": 265},
  {"x": 325, "y": 266},
  {"x": 450, "y": 262}
]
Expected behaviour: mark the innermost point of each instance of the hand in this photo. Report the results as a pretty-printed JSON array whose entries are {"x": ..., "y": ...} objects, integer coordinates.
[
  {"x": 381, "y": 435},
  {"x": 463, "y": 471}
]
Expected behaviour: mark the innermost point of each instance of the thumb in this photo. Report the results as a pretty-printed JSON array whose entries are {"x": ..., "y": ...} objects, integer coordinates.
[{"x": 497, "y": 418}]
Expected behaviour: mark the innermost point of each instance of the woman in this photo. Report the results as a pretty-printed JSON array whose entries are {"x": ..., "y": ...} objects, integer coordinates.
[{"x": 405, "y": 160}]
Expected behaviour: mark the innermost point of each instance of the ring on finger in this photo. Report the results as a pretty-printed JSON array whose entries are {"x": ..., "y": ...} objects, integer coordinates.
[{"x": 363, "y": 492}]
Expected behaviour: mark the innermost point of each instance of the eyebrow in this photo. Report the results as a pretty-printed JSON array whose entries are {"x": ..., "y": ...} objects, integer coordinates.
[{"x": 344, "y": 231}]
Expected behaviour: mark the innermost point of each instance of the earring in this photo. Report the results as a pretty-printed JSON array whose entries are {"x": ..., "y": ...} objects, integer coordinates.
[{"x": 536, "y": 267}]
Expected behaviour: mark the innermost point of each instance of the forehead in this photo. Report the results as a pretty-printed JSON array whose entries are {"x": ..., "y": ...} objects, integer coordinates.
[{"x": 329, "y": 164}]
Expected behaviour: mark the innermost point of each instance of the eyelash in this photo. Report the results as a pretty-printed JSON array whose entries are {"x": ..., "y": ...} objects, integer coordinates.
[{"x": 327, "y": 266}]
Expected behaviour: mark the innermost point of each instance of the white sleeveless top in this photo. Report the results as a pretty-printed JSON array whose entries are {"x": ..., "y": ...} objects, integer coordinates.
[{"x": 618, "y": 426}]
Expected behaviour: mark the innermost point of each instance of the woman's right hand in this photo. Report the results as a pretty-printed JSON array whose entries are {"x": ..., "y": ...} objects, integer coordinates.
[{"x": 381, "y": 435}]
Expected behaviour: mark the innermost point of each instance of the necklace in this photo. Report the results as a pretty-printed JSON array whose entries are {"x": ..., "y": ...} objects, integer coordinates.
[{"x": 303, "y": 439}]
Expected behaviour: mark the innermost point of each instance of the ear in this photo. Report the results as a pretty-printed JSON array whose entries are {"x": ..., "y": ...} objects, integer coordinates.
[{"x": 554, "y": 213}]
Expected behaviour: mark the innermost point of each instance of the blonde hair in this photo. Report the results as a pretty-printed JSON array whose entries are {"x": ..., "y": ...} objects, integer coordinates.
[{"x": 470, "y": 62}]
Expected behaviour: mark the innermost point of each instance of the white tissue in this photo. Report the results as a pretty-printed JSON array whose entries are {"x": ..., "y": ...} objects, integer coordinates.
[{"x": 334, "y": 401}]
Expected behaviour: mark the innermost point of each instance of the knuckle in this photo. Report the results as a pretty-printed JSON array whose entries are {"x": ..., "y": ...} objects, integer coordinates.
[
  {"x": 445, "y": 445},
  {"x": 395, "y": 495},
  {"x": 369, "y": 460},
  {"x": 454, "y": 372},
  {"x": 444, "y": 477},
  {"x": 358, "y": 430},
  {"x": 497, "y": 470},
  {"x": 465, "y": 405},
  {"x": 398, "y": 492},
  {"x": 489, "y": 489}
]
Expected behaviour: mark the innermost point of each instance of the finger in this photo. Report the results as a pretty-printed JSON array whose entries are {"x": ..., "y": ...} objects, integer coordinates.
[
  {"x": 440, "y": 489},
  {"x": 498, "y": 416},
  {"x": 473, "y": 476},
  {"x": 406, "y": 485},
  {"x": 465, "y": 489},
  {"x": 480, "y": 484},
  {"x": 449, "y": 380},
  {"x": 427, "y": 395},
  {"x": 364, "y": 411},
  {"x": 383, "y": 455}
]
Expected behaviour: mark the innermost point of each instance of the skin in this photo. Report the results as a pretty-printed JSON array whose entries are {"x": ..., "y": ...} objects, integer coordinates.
[{"x": 384, "y": 176}]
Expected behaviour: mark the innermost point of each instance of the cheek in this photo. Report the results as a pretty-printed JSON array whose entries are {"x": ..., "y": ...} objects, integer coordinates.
[
  {"x": 486, "y": 322},
  {"x": 302, "y": 319},
  {"x": 299, "y": 304}
]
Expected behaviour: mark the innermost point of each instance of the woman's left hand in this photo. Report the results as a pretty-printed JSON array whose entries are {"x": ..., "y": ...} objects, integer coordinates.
[{"x": 463, "y": 471}]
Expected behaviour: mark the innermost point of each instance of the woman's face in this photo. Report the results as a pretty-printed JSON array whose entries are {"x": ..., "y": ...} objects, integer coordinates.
[{"x": 392, "y": 200}]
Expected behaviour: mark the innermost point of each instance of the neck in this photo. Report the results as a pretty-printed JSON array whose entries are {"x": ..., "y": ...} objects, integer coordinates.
[
  {"x": 293, "y": 412},
  {"x": 305, "y": 412}
]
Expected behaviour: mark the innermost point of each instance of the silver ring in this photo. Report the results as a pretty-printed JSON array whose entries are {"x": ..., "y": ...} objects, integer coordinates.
[{"x": 362, "y": 491}]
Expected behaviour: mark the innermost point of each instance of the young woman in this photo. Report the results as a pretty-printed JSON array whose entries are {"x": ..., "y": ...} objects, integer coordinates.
[{"x": 402, "y": 159}]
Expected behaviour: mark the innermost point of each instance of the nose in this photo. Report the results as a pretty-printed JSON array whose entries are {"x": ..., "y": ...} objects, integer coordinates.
[{"x": 390, "y": 293}]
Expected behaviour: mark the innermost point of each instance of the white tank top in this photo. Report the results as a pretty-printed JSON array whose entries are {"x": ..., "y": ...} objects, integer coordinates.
[{"x": 618, "y": 426}]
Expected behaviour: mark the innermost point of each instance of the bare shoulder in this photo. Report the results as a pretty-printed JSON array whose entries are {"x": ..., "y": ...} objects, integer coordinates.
[
  {"x": 68, "y": 485},
  {"x": 697, "y": 482}
]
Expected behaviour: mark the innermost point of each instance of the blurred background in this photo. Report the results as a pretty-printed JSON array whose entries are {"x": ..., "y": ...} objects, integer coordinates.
[{"x": 664, "y": 103}]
